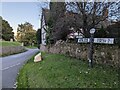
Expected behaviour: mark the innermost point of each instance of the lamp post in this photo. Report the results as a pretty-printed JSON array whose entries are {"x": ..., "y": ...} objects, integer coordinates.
[{"x": 90, "y": 56}]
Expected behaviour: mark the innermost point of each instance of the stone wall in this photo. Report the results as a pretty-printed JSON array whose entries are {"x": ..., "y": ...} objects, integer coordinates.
[
  {"x": 8, "y": 50},
  {"x": 103, "y": 54}
]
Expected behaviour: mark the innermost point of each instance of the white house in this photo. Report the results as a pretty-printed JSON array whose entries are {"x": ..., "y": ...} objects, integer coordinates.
[{"x": 44, "y": 26}]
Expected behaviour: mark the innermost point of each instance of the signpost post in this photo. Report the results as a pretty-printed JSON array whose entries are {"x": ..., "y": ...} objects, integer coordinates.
[{"x": 90, "y": 56}]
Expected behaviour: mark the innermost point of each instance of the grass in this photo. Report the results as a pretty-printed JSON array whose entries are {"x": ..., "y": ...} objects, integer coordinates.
[
  {"x": 31, "y": 47},
  {"x": 7, "y": 43},
  {"x": 59, "y": 71}
]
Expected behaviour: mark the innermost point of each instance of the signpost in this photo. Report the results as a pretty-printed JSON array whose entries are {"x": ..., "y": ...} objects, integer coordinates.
[
  {"x": 83, "y": 40},
  {"x": 104, "y": 40},
  {"x": 97, "y": 40},
  {"x": 92, "y": 40}
]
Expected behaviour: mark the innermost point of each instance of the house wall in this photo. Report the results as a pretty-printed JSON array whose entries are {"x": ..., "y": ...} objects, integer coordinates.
[{"x": 43, "y": 32}]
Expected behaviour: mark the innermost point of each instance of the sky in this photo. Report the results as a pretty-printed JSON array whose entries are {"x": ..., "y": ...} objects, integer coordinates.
[{"x": 20, "y": 12}]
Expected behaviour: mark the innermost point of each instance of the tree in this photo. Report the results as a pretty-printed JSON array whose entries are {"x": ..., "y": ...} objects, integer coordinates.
[
  {"x": 101, "y": 33},
  {"x": 93, "y": 13},
  {"x": 113, "y": 30},
  {"x": 6, "y": 31},
  {"x": 57, "y": 10},
  {"x": 85, "y": 15},
  {"x": 26, "y": 33},
  {"x": 39, "y": 37}
]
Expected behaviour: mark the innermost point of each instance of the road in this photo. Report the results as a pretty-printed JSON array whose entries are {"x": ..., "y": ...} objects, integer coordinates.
[{"x": 11, "y": 66}]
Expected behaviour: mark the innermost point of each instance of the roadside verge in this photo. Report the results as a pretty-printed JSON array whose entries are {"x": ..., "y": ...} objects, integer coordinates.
[{"x": 59, "y": 71}]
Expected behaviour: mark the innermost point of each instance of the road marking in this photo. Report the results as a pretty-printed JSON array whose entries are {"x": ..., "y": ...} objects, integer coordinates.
[{"x": 11, "y": 66}]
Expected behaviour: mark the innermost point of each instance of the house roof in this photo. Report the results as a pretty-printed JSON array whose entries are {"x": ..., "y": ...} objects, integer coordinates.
[{"x": 46, "y": 14}]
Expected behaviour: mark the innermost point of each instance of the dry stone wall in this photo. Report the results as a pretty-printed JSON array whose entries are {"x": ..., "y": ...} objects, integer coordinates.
[{"x": 103, "y": 54}]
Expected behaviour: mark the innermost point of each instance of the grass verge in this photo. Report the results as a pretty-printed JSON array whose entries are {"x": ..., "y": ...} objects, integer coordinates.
[
  {"x": 59, "y": 71},
  {"x": 31, "y": 47},
  {"x": 7, "y": 43}
]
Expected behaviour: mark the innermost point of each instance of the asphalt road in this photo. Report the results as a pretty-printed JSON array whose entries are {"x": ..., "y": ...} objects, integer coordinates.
[{"x": 11, "y": 66}]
